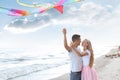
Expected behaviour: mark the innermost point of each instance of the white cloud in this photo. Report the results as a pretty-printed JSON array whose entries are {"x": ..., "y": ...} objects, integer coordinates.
[
  {"x": 86, "y": 14},
  {"x": 22, "y": 30},
  {"x": 109, "y": 6},
  {"x": 0, "y": 33},
  {"x": 25, "y": 25}
]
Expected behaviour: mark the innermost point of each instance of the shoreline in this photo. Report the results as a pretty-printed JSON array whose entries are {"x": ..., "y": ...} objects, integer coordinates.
[{"x": 106, "y": 66}]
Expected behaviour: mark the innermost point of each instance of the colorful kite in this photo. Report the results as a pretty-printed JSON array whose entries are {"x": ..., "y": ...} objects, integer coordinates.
[
  {"x": 46, "y": 6},
  {"x": 14, "y": 12},
  {"x": 42, "y": 7}
]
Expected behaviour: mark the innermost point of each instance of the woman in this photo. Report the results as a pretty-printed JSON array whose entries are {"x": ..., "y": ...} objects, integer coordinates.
[{"x": 88, "y": 72}]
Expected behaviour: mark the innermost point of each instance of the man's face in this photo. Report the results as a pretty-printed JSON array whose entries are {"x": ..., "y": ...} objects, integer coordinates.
[{"x": 78, "y": 41}]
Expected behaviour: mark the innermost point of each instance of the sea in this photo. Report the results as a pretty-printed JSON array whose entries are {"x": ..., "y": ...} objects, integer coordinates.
[{"x": 25, "y": 64}]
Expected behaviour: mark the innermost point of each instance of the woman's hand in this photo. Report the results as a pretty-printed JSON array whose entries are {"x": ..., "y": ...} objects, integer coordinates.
[{"x": 72, "y": 44}]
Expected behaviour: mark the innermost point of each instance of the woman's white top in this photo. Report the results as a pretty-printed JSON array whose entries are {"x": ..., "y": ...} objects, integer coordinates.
[{"x": 86, "y": 59}]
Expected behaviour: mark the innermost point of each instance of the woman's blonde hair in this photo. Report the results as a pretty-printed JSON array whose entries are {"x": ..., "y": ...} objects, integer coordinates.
[{"x": 89, "y": 47}]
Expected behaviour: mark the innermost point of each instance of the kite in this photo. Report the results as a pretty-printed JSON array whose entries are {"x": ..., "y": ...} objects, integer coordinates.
[
  {"x": 42, "y": 7},
  {"x": 14, "y": 12},
  {"x": 46, "y": 6},
  {"x": 37, "y": 4}
]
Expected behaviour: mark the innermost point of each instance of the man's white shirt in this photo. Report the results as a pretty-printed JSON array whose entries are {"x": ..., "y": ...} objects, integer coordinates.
[{"x": 76, "y": 61}]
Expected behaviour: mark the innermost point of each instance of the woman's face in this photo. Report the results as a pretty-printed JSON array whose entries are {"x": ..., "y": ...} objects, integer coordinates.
[{"x": 85, "y": 43}]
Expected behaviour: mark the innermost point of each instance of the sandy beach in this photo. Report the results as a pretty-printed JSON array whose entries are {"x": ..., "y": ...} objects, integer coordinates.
[{"x": 107, "y": 67}]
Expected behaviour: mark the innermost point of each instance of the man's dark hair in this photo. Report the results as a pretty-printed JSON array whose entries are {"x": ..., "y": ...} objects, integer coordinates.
[{"x": 75, "y": 37}]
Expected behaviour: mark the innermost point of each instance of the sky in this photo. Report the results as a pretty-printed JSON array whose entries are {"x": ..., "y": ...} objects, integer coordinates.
[{"x": 97, "y": 20}]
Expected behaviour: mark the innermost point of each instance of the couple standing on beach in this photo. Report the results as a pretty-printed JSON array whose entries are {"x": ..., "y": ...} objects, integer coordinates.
[{"x": 81, "y": 62}]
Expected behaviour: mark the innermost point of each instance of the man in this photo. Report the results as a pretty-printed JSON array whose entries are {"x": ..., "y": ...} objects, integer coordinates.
[{"x": 76, "y": 61}]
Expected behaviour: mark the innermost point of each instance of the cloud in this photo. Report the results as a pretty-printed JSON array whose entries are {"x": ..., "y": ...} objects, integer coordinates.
[
  {"x": 0, "y": 32},
  {"x": 87, "y": 14},
  {"x": 90, "y": 13},
  {"x": 31, "y": 24}
]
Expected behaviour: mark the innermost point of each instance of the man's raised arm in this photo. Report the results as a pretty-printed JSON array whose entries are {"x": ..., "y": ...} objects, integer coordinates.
[{"x": 65, "y": 41}]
